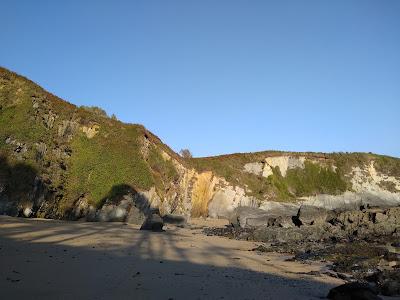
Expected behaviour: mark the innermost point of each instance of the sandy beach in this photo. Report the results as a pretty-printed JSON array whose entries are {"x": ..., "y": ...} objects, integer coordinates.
[{"x": 48, "y": 259}]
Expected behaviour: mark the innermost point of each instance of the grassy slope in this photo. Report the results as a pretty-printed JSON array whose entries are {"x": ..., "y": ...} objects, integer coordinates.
[{"x": 95, "y": 165}]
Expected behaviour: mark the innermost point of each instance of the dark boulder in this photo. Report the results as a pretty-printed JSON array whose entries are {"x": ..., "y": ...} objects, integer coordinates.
[
  {"x": 153, "y": 222},
  {"x": 390, "y": 286},
  {"x": 387, "y": 281},
  {"x": 353, "y": 291}
]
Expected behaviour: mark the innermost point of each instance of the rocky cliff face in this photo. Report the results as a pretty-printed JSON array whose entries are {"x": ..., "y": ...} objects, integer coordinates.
[
  {"x": 62, "y": 161},
  {"x": 330, "y": 181}
]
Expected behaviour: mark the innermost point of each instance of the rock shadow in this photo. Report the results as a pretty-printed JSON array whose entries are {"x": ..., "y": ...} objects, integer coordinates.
[{"x": 21, "y": 191}]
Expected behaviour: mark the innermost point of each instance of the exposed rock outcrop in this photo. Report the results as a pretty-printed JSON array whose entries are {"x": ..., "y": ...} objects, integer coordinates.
[
  {"x": 245, "y": 217},
  {"x": 314, "y": 225},
  {"x": 283, "y": 163},
  {"x": 226, "y": 199},
  {"x": 90, "y": 131}
]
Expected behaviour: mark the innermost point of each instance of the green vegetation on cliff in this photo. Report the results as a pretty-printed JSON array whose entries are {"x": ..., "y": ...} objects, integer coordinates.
[
  {"x": 315, "y": 179},
  {"x": 77, "y": 151},
  {"x": 99, "y": 163},
  {"x": 328, "y": 177},
  {"x": 298, "y": 182}
]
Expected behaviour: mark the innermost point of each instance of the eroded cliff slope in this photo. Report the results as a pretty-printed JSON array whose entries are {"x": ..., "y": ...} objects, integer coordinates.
[{"x": 58, "y": 160}]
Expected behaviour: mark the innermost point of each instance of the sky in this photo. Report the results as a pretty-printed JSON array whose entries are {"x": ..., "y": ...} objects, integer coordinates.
[{"x": 221, "y": 76}]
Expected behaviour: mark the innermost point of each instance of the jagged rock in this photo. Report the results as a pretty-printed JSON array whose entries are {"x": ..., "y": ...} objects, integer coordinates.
[
  {"x": 310, "y": 215},
  {"x": 364, "y": 223},
  {"x": 352, "y": 222},
  {"x": 153, "y": 222},
  {"x": 48, "y": 119},
  {"x": 67, "y": 128},
  {"x": 343, "y": 225}
]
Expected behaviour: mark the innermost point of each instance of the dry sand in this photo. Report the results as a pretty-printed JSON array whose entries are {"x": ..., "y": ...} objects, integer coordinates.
[{"x": 47, "y": 259}]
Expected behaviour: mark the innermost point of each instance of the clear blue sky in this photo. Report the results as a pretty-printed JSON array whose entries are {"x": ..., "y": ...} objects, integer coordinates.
[{"x": 221, "y": 76}]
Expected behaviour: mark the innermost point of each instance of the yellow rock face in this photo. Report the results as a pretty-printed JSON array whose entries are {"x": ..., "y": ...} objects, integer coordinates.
[
  {"x": 202, "y": 193},
  {"x": 90, "y": 131}
]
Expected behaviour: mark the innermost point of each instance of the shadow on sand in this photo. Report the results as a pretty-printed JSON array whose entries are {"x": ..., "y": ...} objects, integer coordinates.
[{"x": 46, "y": 259}]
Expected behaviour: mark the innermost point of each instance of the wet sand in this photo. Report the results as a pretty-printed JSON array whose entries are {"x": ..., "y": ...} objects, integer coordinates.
[{"x": 48, "y": 259}]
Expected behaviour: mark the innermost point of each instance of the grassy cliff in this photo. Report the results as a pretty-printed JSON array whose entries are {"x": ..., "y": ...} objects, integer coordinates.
[{"x": 77, "y": 151}]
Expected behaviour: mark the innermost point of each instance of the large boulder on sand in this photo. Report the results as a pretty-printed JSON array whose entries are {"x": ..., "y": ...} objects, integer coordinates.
[
  {"x": 153, "y": 222},
  {"x": 124, "y": 211}
]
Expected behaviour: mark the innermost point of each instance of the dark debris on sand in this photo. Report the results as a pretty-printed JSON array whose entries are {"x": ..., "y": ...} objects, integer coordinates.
[{"x": 370, "y": 260}]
